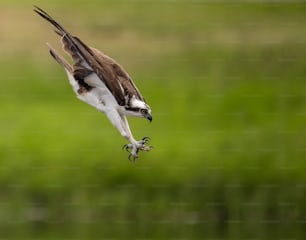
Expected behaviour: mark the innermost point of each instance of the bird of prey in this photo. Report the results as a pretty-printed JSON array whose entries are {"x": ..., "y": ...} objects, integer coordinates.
[{"x": 101, "y": 82}]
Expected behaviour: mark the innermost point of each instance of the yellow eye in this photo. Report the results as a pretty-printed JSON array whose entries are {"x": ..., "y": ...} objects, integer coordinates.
[{"x": 144, "y": 111}]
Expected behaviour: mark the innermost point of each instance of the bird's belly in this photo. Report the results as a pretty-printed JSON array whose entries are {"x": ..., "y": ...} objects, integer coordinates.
[{"x": 98, "y": 96}]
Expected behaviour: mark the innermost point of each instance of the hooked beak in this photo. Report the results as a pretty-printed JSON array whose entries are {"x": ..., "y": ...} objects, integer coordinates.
[{"x": 149, "y": 117}]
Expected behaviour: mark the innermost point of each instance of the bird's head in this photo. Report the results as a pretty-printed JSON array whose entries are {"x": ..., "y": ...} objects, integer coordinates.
[
  {"x": 146, "y": 113},
  {"x": 140, "y": 109}
]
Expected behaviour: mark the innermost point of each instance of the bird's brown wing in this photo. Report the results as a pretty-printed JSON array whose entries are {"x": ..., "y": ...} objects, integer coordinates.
[{"x": 89, "y": 59}]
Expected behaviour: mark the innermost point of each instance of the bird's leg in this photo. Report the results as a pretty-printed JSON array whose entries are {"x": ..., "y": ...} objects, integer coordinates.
[
  {"x": 121, "y": 123},
  {"x": 134, "y": 146}
]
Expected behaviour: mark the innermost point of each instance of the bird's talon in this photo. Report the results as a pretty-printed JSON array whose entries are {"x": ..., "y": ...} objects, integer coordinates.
[
  {"x": 134, "y": 149},
  {"x": 126, "y": 147},
  {"x": 134, "y": 158},
  {"x": 145, "y": 140}
]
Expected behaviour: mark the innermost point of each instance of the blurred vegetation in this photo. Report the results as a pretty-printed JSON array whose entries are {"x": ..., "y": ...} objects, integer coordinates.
[{"x": 226, "y": 82}]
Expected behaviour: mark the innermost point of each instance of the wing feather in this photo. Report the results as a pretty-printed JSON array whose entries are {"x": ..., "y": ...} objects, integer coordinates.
[
  {"x": 60, "y": 59},
  {"x": 108, "y": 70}
]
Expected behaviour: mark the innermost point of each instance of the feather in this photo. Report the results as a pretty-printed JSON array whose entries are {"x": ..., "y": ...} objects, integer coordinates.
[{"x": 108, "y": 70}]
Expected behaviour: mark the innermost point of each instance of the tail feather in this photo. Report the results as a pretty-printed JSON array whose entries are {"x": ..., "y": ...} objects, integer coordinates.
[
  {"x": 72, "y": 45},
  {"x": 60, "y": 30}
]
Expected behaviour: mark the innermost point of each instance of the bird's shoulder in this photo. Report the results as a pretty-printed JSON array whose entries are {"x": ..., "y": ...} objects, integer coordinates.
[
  {"x": 110, "y": 64},
  {"x": 112, "y": 71}
]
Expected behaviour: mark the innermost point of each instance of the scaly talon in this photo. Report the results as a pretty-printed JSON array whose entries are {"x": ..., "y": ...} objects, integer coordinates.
[
  {"x": 127, "y": 147},
  {"x": 134, "y": 158},
  {"x": 133, "y": 149},
  {"x": 146, "y": 139}
]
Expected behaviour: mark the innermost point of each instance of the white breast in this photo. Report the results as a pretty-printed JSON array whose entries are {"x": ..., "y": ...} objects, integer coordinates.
[{"x": 99, "y": 96}]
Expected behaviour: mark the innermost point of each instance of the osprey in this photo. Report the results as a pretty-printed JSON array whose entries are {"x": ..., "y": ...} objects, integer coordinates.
[{"x": 101, "y": 82}]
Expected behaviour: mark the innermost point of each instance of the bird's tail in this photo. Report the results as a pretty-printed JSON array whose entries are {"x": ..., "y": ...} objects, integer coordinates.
[
  {"x": 72, "y": 45},
  {"x": 59, "y": 29}
]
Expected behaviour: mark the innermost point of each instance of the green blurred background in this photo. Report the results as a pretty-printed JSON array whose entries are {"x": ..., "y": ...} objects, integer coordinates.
[{"x": 226, "y": 81}]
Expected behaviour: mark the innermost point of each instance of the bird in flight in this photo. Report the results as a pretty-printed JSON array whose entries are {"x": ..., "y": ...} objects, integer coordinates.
[{"x": 101, "y": 82}]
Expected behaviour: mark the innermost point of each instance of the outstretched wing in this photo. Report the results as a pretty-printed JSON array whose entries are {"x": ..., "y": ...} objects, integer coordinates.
[{"x": 88, "y": 60}]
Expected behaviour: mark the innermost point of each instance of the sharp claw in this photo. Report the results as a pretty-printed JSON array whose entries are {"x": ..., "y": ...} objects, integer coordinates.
[
  {"x": 132, "y": 158},
  {"x": 126, "y": 147},
  {"x": 146, "y": 139},
  {"x": 133, "y": 150}
]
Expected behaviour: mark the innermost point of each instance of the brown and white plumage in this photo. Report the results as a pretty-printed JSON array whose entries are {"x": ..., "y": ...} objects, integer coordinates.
[{"x": 101, "y": 82}]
